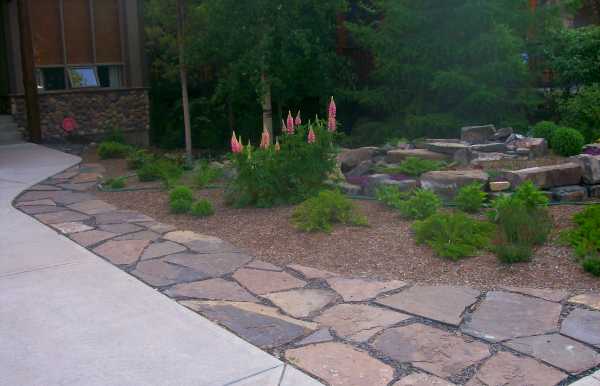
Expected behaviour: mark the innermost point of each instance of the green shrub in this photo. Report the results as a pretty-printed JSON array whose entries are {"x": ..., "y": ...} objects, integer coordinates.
[
  {"x": 180, "y": 206},
  {"x": 391, "y": 195},
  {"x": 166, "y": 170},
  {"x": 453, "y": 235},
  {"x": 181, "y": 193},
  {"x": 582, "y": 111},
  {"x": 421, "y": 204},
  {"x": 202, "y": 208},
  {"x": 149, "y": 172},
  {"x": 592, "y": 265},
  {"x": 567, "y": 142},
  {"x": 470, "y": 198},
  {"x": 414, "y": 166},
  {"x": 585, "y": 237},
  {"x": 110, "y": 149},
  {"x": 544, "y": 129},
  {"x": 327, "y": 208},
  {"x": 114, "y": 134},
  {"x": 206, "y": 174},
  {"x": 531, "y": 196},
  {"x": 510, "y": 253},
  {"x": 116, "y": 183},
  {"x": 137, "y": 158}
]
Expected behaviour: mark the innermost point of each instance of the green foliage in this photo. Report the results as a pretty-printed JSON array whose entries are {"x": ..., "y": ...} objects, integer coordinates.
[
  {"x": 327, "y": 208},
  {"x": 109, "y": 149},
  {"x": 202, "y": 208},
  {"x": 138, "y": 158},
  {"x": 582, "y": 111},
  {"x": 592, "y": 265},
  {"x": 530, "y": 195},
  {"x": 416, "y": 205},
  {"x": 180, "y": 206},
  {"x": 453, "y": 235},
  {"x": 391, "y": 195},
  {"x": 150, "y": 171},
  {"x": 116, "y": 183},
  {"x": 567, "y": 142},
  {"x": 510, "y": 253},
  {"x": 414, "y": 166},
  {"x": 585, "y": 237},
  {"x": 181, "y": 193},
  {"x": 162, "y": 169},
  {"x": 544, "y": 129},
  {"x": 267, "y": 177},
  {"x": 470, "y": 198},
  {"x": 206, "y": 174},
  {"x": 371, "y": 133},
  {"x": 114, "y": 135}
]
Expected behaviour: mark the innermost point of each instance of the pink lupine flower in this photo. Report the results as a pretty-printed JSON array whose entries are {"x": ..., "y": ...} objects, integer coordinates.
[
  {"x": 331, "y": 120},
  {"x": 265, "y": 140},
  {"x": 332, "y": 108},
  {"x": 298, "y": 120},
  {"x": 290, "y": 123},
  {"x": 236, "y": 147},
  {"x": 331, "y": 125},
  {"x": 311, "y": 136},
  {"x": 277, "y": 146}
]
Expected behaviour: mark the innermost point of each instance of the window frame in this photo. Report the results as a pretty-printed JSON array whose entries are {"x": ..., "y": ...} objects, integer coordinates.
[{"x": 94, "y": 69}]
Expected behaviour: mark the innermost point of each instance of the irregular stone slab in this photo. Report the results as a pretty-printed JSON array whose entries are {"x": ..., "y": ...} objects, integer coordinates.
[
  {"x": 494, "y": 147},
  {"x": 159, "y": 227},
  {"x": 121, "y": 216},
  {"x": 357, "y": 289},
  {"x": 66, "y": 175},
  {"x": 590, "y": 300},
  {"x": 507, "y": 369},
  {"x": 323, "y": 335},
  {"x": 301, "y": 303},
  {"x": 546, "y": 294},
  {"x": 61, "y": 217},
  {"x": 258, "y": 264},
  {"x": 444, "y": 304},
  {"x": 183, "y": 237},
  {"x": 341, "y": 365},
  {"x": 477, "y": 134},
  {"x": 419, "y": 379},
  {"x": 359, "y": 322},
  {"x": 44, "y": 202},
  {"x": 210, "y": 265},
  {"x": 43, "y": 187},
  {"x": 212, "y": 289},
  {"x": 89, "y": 238},
  {"x": 93, "y": 207},
  {"x": 546, "y": 177},
  {"x": 503, "y": 315},
  {"x": 65, "y": 197},
  {"x": 446, "y": 147},
  {"x": 142, "y": 235},
  {"x": 210, "y": 244},
  {"x": 362, "y": 169},
  {"x": 162, "y": 249},
  {"x": 67, "y": 228},
  {"x": 399, "y": 155},
  {"x": 86, "y": 177},
  {"x": 436, "y": 351},
  {"x": 499, "y": 186},
  {"x": 79, "y": 187},
  {"x": 40, "y": 209},
  {"x": 558, "y": 351},
  {"x": 575, "y": 193},
  {"x": 590, "y": 165},
  {"x": 123, "y": 252},
  {"x": 447, "y": 183},
  {"x": 583, "y": 325},
  {"x": 120, "y": 228},
  {"x": 349, "y": 159},
  {"x": 263, "y": 282},
  {"x": 311, "y": 273},
  {"x": 260, "y": 325},
  {"x": 594, "y": 191},
  {"x": 159, "y": 273},
  {"x": 536, "y": 147}
]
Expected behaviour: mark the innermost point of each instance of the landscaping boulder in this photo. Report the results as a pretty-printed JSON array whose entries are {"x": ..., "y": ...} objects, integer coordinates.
[
  {"x": 573, "y": 193},
  {"x": 551, "y": 176},
  {"x": 349, "y": 189},
  {"x": 537, "y": 147},
  {"x": 477, "y": 134},
  {"x": 362, "y": 169},
  {"x": 591, "y": 167},
  {"x": 349, "y": 159},
  {"x": 494, "y": 147},
  {"x": 449, "y": 148},
  {"x": 463, "y": 156},
  {"x": 447, "y": 183},
  {"x": 481, "y": 159},
  {"x": 502, "y": 134},
  {"x": 377, "y": 180},
  {"x": 594, "y": 191},
  {"x": 499, "y": 186},
  {"x": 398, "y": 155}
]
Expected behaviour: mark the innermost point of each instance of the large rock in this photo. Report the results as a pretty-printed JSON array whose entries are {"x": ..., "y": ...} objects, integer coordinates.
[
  {"x": 349, "y": 159},
  {"x": 361, "y": 169},
  {"x": 591, "y": 167},
  {"x": 547, "y": 176},
  {"x": 494, "y": 147},
  {"x": 447, "y": 183},
  {"x": 575, "y": 193},
  {"x": 502, "y": 134},
  {"x": 446, "y": 147},
  {"x": 538, "y": 147},
  {"x": 399, "y": 155},
  {"x": 482, "y": 159},
  {"x": 477, "y": 134}
]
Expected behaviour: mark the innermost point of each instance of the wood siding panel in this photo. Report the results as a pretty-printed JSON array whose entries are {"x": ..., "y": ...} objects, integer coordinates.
[
  {"x": 108, "y": 31},
  {"x": 78, "y": 31},
  {"x": 46, "y": 31}
]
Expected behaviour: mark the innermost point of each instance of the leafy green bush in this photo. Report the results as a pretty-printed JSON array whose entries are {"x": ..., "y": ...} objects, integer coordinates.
[
  {"x": 267, "y": 177},
  {"x": 414, "y": 166},
  {"x": 582, "y": 111},
  {"x": 391, "y": 195},
  {"x": 149, "y": 172},
  {"x": 592, "y": 265},
  {"x": 116, "y": 183},
  {"x": 531, "y": 196},
  {"x": 510, "y": 253},
  {"x": 137, "y": 158},
  {"x": 585, "y": 237},
  {"x": 567, "y": 142},
  {"x": 206, "y": 174},
  {"x": 470, "y": 198},
  {"x": 203, "y": 208},
  {"x": 166, "y": 170},
  {"x": 110, "y": 149},
  {"x": 544, "y": 129},
  {"x": 321, "y": 212},
  {"x": 181, "y": 193},
  {"x": 421, "y": 204},
  {"x": 453, "y": 235},
  {"x": 180, "y": 206}
]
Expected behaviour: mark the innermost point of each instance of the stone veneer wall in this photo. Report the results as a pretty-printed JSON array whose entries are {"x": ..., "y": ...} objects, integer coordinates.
[{"x": 95, "y": 112}]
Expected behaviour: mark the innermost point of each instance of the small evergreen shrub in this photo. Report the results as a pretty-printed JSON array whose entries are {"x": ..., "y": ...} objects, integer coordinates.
[
  {"x": 116, "y": 183},
  {"x": 585, "y": 237},
  {"x": 592, "y": 265},
  {"x": 163, "y": 169},
  {"x": 414, "y": 166},
  {"x": 453, "y": 235},
  {"x": 137, "y": 158},
  {"x": 544, "y": 129},
  {"x": 202, "y": 208},
  {"x": 391, "y": 195},
  {"x": 319, "y": 213},
  {"x": 421, "y": 204},
  {"x": 180, "y": 206},
  {"x": 150, "y": 171},
  {"x": 470, "y": 198},
  {"x": 181, "y": 193},
  {"x": 510, "y": 253},
  {"x": 567, "y": 142},
  {"x": 110, "y": 149},
  {"x": 206, "y": 174}
]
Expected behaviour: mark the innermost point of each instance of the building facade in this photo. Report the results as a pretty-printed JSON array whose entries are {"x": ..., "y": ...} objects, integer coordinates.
[{"x": 87, "y": 62}]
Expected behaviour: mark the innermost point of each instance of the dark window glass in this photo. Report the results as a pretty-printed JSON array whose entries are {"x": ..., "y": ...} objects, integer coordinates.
[
  {"x": 53, "y": 78},
  {"x": 110, "y": 76}
]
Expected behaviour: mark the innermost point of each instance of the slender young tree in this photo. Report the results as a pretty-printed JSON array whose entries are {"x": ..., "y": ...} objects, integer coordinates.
[{"x": 183, "y": 76}]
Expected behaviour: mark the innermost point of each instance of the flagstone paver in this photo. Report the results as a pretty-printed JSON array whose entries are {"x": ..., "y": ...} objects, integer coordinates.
[
  {"x": 311, "y": 273},
  {"x": 72, "y": 227},
  {"x": 200, "y": 243},
  {"x": 142, "y": 235},
  {"x": 420, "y": 379},
  {"x": 160, "y": 249},
  {"x": 587, "y": 381},
  {"x": 301, "y": 302},
  {"x": 210, "y": 265},
  {"x": 212, "y": 289},
  {"x": 445, "y": 304},
  {"x": 80, "y": 187},
  {"x": 123, "y": 252},
  {"x": 358, "y": 289},
  {"x": 258, "y": 325},
  {"x": 183, "y": 237},
  {"x": 431, "y": 349},
  {"x": 120, "y": 229},
  {"x": 258, "y": 264},
  {"x": 504, "y": 315},
  {"x": 263, "y": 282},
  {"x": 359, "y": 322},
  {"x": 61, "y": 217},
  {"x": 44, "y": 202},
  {"x": 509, "y": 370},
  {"x": 341, "y": 365},
  {"x": 93, "y": 207},
  {"x": 89, "y": 238},
  {"x": 159, "y": 273},
  {"x": 546, "y": 294},
  {"x": 589, "y": 300},
  {"x": 159, "y": 227},
  {"x": 320, "y": 336},
  {"x": 41, "y": 209},
  {"x": 559, "y": 351},
  {"x": 583, "y": 325},
  {"x": 43, "y": 187},
  {"x": 120, "y": 216}
]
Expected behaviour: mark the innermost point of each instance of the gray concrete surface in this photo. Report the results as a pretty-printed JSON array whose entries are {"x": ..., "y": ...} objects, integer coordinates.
[{"x": 69, "y": 318}]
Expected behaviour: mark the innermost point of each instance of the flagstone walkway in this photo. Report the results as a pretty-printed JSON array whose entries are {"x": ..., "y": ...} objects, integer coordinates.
[{"x": 341, "y": 330}]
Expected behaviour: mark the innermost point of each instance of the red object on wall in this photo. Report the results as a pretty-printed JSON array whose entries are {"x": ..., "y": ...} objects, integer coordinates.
[{"x": 69, "y": 125}]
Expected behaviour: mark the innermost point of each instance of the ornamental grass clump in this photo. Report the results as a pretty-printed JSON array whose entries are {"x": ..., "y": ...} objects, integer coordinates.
[
  {"x": 414, "y": 166},
  {"x": 202, "y": 208},
  {"x": 585, "y": 238},
  {"x": 470, "y": 198},
  {"x": 318, "y": 214}
]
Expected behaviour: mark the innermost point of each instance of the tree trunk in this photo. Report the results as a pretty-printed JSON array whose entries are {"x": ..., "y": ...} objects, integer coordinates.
[
  {"x": 183, "y": 75},
  {"x": 267, "y": 106}
]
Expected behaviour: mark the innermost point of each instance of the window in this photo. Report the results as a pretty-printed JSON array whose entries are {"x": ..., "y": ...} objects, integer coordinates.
[
  {"x": 83, "y": 77},
  {"x": 51, "y": 78},
  {"x": 110, "y": 76}
]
